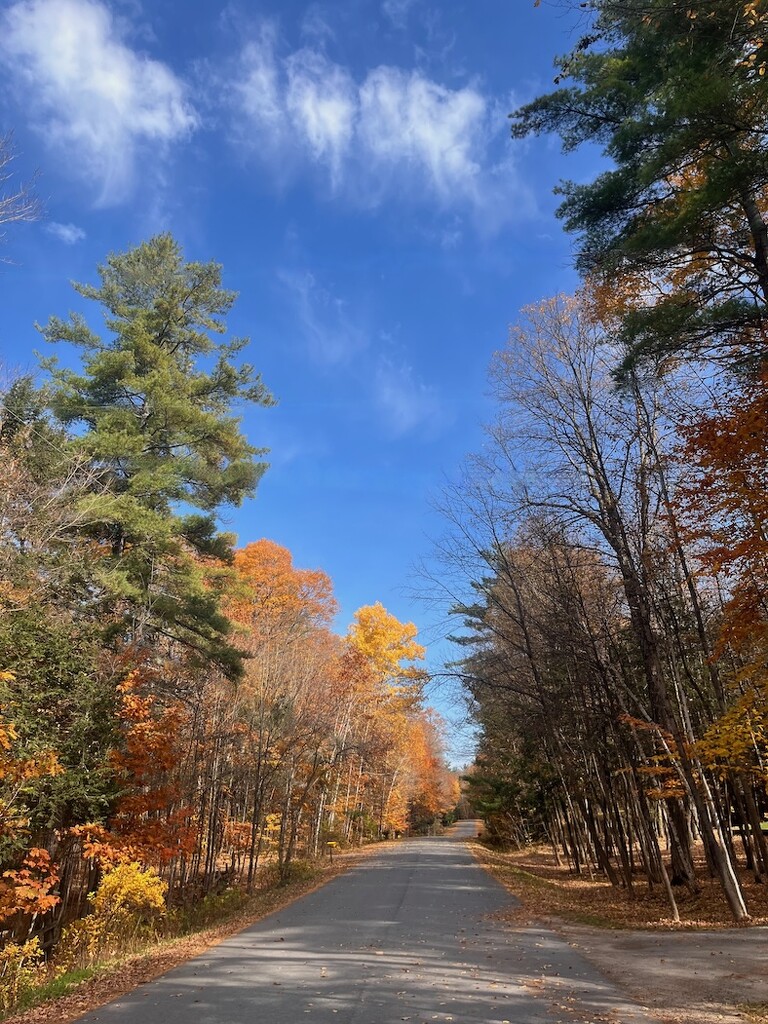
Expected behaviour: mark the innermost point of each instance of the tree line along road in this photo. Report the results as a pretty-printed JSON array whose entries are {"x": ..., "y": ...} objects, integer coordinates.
[{"x": 407, "y": 935}]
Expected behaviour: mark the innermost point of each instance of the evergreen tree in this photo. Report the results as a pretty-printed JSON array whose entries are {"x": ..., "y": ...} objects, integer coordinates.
[
  {"x": 60, "y": 697},
  {"x": 152, "y": 413},
  {"x": 676, "y": 94}
]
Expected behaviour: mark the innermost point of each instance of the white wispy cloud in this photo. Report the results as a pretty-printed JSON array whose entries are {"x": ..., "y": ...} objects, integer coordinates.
[
  {"x": 406, "y": 403},
  {"x": 260, "y": 91},
  {"x": 393, "y": 131},
  {"x": 407, "y": 121},
  {"x": 397, "y": 11},
  {"x": 333, "y": 333},
  {"x": 330, "y": 331},
  {"x": 321, "y": 103},
  {"x": 316, "y": 24},
  {"x": 69, "y": 234},
  {"x": 99, "y": 103}
]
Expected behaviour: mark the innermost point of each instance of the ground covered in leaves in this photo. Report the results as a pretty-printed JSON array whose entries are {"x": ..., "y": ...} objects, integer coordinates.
[
  {"x": 702, "y": 971},
  {"x": 547, "y": 889}
]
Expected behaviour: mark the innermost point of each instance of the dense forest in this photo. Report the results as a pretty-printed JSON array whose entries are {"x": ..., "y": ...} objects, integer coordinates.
[
  {"x": 614, "y": 527},
  {"x": 176, "y": 712}
]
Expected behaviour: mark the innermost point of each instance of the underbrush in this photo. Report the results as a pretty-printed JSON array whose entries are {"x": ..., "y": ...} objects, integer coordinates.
[
  {"x": 52, "y": 988},
  {"x": 756, "y": 1013},
  {"x": 210, "y": 910},
  {"x": 271, "y": 876}
]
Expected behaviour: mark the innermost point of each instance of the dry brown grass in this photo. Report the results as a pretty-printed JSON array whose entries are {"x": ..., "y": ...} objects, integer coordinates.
[
  {"x": 546, "y": 890},
  {"x": 756, "y": 1013}
]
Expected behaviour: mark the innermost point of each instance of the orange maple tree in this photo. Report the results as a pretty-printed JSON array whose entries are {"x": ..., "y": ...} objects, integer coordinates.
[
  {"x": 274, "y": 589},
  {"x": 725, "y": 507},
  {"x": 29, "y": 888},
  {"x": 725, "y": 504},
  {"x": 150, "y": 822}
]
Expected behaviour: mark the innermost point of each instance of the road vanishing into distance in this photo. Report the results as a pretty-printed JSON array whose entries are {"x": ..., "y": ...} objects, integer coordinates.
[{"x": 406, "y": 935}]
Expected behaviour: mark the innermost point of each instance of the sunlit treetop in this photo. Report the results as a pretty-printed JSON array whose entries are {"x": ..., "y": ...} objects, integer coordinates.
[{"x": 388, "y": 645}]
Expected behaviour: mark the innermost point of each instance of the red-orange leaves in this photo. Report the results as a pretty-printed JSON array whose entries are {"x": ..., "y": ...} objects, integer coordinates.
[
  {"x": 725, "y": 505},
  {"x": 28, "y": 889},
  {"x": 150, "y": 822}
]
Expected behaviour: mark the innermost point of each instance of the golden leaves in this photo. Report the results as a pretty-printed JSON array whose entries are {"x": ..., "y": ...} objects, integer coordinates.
[{"x": 387, "y": 644}]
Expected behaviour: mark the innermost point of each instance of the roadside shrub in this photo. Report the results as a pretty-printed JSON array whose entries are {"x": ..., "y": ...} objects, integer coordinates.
[
  {"x": 211, "y": 909},
  {"x": 127, "y": 903},
  {"x": 297, "y": 871},
  {"x": 20, "y": 967}
]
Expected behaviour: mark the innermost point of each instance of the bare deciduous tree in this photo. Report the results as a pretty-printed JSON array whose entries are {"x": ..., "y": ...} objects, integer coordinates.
[{"x": 18, "y": 199}]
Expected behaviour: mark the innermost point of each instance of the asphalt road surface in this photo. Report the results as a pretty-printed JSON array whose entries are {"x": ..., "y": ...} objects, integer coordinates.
[{"x": 407, "y": 935}]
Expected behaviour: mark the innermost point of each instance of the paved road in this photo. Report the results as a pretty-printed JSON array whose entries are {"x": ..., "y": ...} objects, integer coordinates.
[{"x": 404, "y": 936}]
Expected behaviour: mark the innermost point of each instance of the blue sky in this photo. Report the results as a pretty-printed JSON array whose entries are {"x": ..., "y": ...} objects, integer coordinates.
[{"x": 350, "y": 166}]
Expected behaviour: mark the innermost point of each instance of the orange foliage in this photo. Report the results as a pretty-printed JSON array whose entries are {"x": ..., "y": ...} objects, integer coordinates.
[
  {"x": 435, "y": 789},
  {"x": 27, "y": 889},
  {"x": 725, "y": 506},
  {"x": 149, "y": 824},
  {"x": 396, "y": 743},
  {"x": 274, "y": 589},
  {"x": 725, "y": 509}
]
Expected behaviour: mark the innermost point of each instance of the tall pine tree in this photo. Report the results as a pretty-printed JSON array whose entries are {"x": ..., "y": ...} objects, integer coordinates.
[
  {"x": 676, "y": 94},
  {"x": 153, "y": 412}
]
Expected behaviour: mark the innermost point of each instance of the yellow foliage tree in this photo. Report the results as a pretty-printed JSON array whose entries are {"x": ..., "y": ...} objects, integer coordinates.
[
  {"x": 389, "y": 647},
  {"x": 127, "y": 901}
]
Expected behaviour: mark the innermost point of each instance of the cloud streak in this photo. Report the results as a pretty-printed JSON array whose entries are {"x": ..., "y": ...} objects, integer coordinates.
[
  {"x": 393, "y": 131},
  {"x": 397, "y": 11},
  {"x": 406, "y": 403},
  {"x": 69, "y": 234},
  {"x": 95, "y": 100},
  {"x": 332, "y": 336}
]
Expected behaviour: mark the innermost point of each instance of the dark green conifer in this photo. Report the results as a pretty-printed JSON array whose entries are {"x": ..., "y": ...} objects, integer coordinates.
[
  {"x": 153, "y": 412},
  {"x": 676, "y": 95}
]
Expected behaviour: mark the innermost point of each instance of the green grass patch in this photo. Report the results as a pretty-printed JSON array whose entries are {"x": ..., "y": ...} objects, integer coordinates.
[{"x": 52, "y": 989}]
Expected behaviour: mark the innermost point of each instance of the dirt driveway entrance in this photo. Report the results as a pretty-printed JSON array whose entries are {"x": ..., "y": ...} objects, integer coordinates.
[{"x": 698, "y": 977}]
